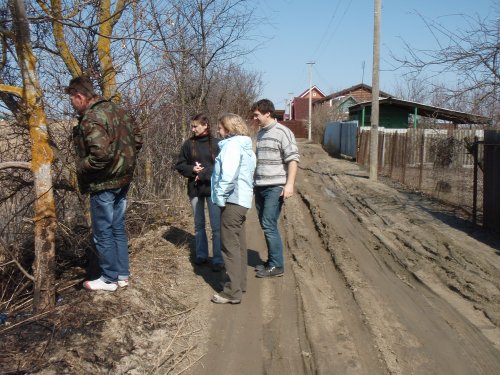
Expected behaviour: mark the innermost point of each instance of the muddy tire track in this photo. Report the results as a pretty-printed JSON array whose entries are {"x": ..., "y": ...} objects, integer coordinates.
[
  {"x": 428, "y": 301},
  {"x": 432, "y": 250},
  {"x": 339, "y": 344}
]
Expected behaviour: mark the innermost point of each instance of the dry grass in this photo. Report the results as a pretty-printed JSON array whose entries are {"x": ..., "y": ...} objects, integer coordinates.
[{"x": 147, "y": 328}]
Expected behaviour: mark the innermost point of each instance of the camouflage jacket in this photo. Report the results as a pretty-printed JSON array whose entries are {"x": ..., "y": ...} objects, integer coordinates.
[{"x": 106, "y": 143}]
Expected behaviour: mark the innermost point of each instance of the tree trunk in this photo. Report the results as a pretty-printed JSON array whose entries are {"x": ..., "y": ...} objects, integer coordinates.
[
  {"x": 144, "y": 106},
  {"x": 106, "y": 23},
  {"x": 42, "y": 156},
  {"x": 58, "y": 30}
]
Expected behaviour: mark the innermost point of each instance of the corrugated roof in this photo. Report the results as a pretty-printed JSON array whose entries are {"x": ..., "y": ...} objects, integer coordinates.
[
  {"x": 349, "y": 90},
  {"x": 425, "y": 110}
]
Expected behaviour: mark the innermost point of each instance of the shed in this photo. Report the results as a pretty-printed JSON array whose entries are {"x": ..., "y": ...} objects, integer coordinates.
[{"x": 395, "y": 113}]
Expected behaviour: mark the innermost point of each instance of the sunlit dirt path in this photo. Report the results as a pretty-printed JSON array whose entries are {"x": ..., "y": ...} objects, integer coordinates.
[{"x": 377, "y": 281}]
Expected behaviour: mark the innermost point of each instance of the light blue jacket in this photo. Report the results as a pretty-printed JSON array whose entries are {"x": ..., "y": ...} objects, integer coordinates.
[{"x": 232, "y": 177}]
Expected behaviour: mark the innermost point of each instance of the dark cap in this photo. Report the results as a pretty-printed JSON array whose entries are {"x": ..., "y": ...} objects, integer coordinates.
[{"x": 82, "y": 85}]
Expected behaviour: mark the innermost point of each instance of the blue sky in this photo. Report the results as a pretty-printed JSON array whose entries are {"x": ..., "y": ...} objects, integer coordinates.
[{"x": 338, "y": 36}]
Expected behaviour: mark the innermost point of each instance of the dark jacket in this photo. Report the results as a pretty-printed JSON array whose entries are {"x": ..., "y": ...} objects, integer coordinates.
[
  {"x": 106, "y": 143},
  {"x": 202, "y": 155}
]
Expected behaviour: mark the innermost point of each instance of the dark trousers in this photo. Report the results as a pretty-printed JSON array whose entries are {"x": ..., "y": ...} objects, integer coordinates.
[{"x": 234, "y": 249}]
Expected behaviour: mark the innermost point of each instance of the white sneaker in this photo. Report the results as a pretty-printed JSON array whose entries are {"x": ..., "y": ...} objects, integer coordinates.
[
  {"x": 122, "y": 283},
  {"x": 100, "y": 284},
  {"x": 217, "y": 298}
]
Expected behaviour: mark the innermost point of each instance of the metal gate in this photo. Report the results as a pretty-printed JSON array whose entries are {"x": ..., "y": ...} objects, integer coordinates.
[
  {"x": 341, "y": 138},
  {"x": 491, "y": 196}
]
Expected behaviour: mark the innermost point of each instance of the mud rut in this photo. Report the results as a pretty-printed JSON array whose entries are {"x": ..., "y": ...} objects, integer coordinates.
[{"x": 377, "y": 282}]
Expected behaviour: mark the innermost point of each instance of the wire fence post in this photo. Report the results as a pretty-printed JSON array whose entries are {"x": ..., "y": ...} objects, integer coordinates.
[
  {"x": 421, "y": 157},
  {"x": 474, "y": 187}
]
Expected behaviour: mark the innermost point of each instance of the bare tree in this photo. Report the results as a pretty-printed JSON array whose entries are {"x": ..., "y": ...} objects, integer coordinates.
[
  {"x": 218, "y": 27},
  {"x": 22, "y": 95},
  {"x": 199, "y": 38},
  {"x": 164, "y": 59},
  {"x": 233, "y": 89},
  {"x": 41, "y": 159},
  {"x": 103, "y": 29},
  {"x": 413, "y": 89},
  {"x": 188, "y": 62},
  {"x": 472, "y": 53}
]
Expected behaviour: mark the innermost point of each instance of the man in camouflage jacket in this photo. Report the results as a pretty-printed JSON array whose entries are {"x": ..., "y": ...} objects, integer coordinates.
[{"x": 106, "y": 144}]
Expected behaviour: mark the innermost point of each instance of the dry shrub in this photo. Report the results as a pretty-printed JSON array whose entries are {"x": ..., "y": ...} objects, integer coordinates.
[
  {"x": 147, "y": 327},
  {"x": 444, "y": 150},
  {"x": 323, "y": 114}
]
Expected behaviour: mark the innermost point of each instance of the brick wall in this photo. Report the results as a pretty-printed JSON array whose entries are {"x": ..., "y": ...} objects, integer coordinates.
[
  {"x": 298, "y": 128},
  {"x": 300, "y": 109}
]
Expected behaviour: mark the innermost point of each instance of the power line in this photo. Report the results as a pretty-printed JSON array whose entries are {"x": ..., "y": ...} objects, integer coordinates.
[
  {"x": 323, "y": 78},
  {"x": 336, "y": 28},
  {"x": 327, "y": 28}
]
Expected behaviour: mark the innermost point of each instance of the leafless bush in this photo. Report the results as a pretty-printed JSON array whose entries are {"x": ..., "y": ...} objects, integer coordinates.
[
  {"x": 444, "y": 150},
  {"x": 16, "y": 211},
  {"x": 15, "y": 195},
  {"x": 167, "y": 70},
  {"x": 321, "y": 115}
]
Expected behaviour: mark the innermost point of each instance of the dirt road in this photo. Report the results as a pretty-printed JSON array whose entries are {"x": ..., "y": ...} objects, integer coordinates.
[{"x": 377, "y": 281}]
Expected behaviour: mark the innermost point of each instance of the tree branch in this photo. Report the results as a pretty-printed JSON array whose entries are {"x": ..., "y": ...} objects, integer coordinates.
[
  {"x": 12, "y": 90},
  {"x": 15, "y": 164},
  {"x": 21, "y": 268}
]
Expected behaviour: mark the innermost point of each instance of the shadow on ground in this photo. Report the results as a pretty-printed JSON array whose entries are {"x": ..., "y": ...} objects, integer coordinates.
[
  {"x": 453, "y": 216},
  {"x": 479, "y": 233},
  {"x": 215, "y": 279},
  {"x": 179, "y": 237},
  {"x": 254, "y": 258}
]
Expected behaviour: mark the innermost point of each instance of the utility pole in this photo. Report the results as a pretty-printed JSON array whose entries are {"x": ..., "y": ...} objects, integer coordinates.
[
  {"x": 309, "y": 123},
  {"x": 374, "y": 119},
  {"x": 290, "y": 106}
]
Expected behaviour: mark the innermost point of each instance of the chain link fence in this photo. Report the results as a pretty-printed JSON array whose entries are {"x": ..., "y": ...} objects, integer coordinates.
[{"x": 436, "y": 162}]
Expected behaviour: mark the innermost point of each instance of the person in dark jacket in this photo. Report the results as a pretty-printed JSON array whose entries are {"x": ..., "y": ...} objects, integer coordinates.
[
  {"x": 195, "y": 162},
  {"x": 106, "y": 144}
]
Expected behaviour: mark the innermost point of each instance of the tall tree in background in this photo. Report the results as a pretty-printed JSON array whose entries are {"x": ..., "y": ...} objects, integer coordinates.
[
  {"x": 218, "y": 27},
  {"x": 188, "y": 62},
  {"x": 203, "y": 37}
]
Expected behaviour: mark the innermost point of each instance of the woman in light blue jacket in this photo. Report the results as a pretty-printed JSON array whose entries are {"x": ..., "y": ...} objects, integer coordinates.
[{"x": 232, "y": 190}]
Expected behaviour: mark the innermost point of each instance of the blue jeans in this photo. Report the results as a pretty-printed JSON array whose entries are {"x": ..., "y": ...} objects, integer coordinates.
[
  {"x": 268, "y": 202},
  {"x": 107, "y": 211},
  {"x": 200, "y": 234}
]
